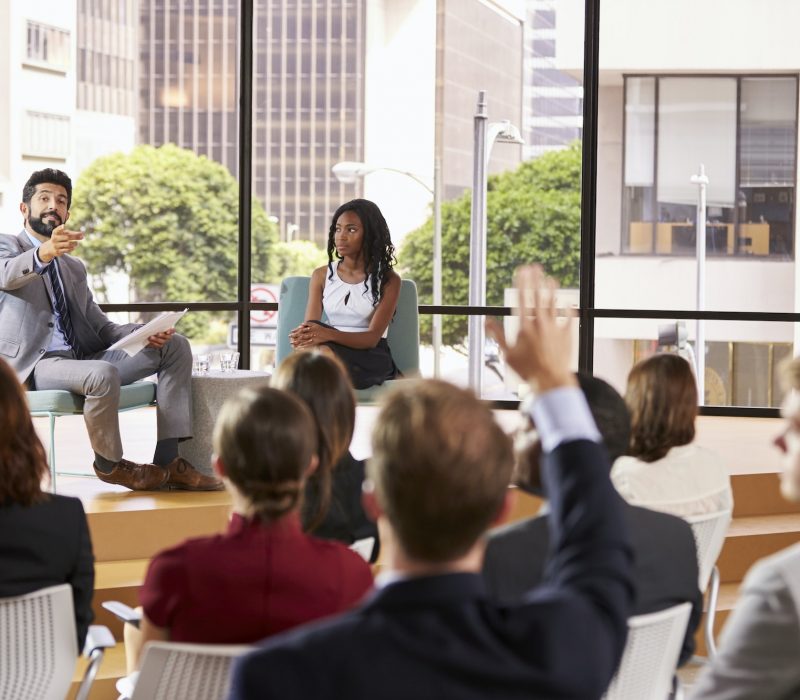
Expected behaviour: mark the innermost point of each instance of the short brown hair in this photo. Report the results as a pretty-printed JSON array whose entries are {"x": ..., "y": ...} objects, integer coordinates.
[
  {"x": 321, "y": 381},
  {"x": 441, "y": 466},
  {"x": 23, "y": 461},
  {"x": 266, "y": 439},
  {"x": 662, "y": 397}
]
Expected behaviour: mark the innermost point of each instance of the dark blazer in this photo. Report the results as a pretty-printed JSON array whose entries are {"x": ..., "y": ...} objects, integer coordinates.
[
  {"x": 442, "y": 637},
  {"x": 45, "y": 545},
  {"x": 664, "y": 563},
  {"x": 346, "y": 520}
]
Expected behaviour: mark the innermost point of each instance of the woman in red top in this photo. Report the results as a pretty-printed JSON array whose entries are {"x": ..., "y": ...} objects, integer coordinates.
[{"x": 264, "y": 575}]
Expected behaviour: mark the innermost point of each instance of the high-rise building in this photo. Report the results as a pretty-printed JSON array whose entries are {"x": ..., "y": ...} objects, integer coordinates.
[
  {"x": 66, "y": 86},
  {"x": 553, "y": 99},
  {"x": 308, "y": 100}
]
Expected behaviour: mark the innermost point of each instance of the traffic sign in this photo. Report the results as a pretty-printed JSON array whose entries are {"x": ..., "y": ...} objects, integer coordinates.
[{"x": 263, "y": 292}]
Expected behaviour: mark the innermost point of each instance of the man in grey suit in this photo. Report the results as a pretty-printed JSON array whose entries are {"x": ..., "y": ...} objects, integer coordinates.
[
  {"x": 759, "y": 651},
  {"x": 54, "y": 336}
]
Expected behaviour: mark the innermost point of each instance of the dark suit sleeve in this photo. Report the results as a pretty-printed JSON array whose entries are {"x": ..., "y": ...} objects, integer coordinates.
[
  {"x": 82, "y": 578},
  {"x": 591, "y": 557}
]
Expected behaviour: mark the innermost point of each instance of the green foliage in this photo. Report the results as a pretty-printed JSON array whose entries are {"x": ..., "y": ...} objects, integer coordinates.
[
  {"x": 533, "y": 215},
  {"x": 169, "y": 220},
  {"x": 296, "y": 258}
]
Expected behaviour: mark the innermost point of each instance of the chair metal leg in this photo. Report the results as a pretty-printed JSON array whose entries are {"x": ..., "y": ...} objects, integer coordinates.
[
  {"x": 52, "y": 456},
  {"x": 713, "y": 595}
]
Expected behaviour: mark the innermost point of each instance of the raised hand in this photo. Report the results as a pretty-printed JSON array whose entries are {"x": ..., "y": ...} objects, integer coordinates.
[{"x": 542, "y": 350}]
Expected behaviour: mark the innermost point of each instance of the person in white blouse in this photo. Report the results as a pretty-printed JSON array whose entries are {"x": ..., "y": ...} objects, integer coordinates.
[
  {"x": 358, "y": 291},
  {"x": 664, "y": 469}
]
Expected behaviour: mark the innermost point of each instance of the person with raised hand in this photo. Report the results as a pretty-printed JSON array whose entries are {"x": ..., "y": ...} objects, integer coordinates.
[{"x": 437, "y": 480}]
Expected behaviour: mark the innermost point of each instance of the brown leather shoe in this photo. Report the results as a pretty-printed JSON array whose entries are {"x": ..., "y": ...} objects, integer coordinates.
[
  {"x": 137, "y": 477},
  {"x": 182, "y": 475}
]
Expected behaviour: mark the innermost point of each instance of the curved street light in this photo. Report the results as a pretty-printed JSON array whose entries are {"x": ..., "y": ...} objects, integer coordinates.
[
  {"x": 485, "y": 137},
  {"x": 348, "y": 172}
]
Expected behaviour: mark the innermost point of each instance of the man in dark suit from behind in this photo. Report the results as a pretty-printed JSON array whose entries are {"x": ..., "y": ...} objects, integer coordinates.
[
  {"x": 664, "y": 551},
  {"x": 439, "y": 478}
]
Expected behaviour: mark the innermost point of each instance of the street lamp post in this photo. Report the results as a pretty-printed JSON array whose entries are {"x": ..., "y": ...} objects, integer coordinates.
[
  {"x": 701, "y": 180},
  {"x": 348, "y": 172},
  {"x": 485, "y": 135}
]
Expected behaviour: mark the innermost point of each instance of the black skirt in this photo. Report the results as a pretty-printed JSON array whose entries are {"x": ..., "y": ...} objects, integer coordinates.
[{"x": 367, "y": 367}]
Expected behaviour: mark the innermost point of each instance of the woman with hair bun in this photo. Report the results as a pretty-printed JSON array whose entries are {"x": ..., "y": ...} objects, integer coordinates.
[
  {"x": 665, "y": 469},
  {"x": 264, "y": 575},
  {"x": 358, "y": 291}
]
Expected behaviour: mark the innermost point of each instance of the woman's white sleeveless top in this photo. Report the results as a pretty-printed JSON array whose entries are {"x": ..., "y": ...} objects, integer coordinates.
[{"x": 349, "y": 307}]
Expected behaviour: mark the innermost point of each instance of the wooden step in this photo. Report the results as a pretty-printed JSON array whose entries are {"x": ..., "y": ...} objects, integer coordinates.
[
  {"x": 111, "y": 670},
  {"x": 128, "y": 525},
  {"x": 116, "y": 580},
  {"x": 759, "y": 494},
  {"x": 753, "y": 537}
]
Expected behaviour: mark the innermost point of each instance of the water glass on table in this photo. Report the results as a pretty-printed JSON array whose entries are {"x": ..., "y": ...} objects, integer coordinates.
[
  {"x": 228, "y": 361},
  {"x": 201, "y": 364}
]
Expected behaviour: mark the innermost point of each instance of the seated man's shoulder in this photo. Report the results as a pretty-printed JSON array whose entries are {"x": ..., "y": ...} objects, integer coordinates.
[{"x": 780, "y": 570}]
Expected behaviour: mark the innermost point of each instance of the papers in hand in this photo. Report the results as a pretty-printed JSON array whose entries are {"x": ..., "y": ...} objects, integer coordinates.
[{"x": 133, "y": 343}]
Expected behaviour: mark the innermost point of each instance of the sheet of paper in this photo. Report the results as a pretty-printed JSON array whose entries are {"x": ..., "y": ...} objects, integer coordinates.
[{"x": 134, "y": 342}]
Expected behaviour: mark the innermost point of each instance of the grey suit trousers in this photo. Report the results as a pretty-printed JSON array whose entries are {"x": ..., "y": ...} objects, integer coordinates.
[{"x": 100, "y": 376}]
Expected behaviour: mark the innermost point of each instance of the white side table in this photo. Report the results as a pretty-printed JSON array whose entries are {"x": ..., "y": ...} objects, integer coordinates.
[{"x": 209, "y": 392}]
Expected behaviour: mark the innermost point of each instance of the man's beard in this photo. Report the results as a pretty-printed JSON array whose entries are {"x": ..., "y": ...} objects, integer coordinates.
[{"x": 43, "y": 228}]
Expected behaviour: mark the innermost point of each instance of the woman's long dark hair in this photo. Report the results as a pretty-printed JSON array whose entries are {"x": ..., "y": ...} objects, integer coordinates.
[
  {"x": 377, "y": 246},
  {"x": 23, "y": 461}
]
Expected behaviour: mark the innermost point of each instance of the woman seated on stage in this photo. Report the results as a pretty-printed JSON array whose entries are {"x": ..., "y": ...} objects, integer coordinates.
[
  {"x": 332, "y": 503},
  {"x": 44, "y": 538},
  {"x": 665, "y": 469},
  {"x": 264, "y": 575},
  {"x": 358, "y": 293}
]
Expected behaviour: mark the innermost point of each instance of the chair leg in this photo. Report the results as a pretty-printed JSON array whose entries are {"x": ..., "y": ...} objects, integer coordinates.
[
  {"x": 52, "y": 456},
  {"x": 713, "y": 588}
]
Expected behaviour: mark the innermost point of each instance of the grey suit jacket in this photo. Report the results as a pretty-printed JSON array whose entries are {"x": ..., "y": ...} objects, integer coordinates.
[
  {"x": 759, "y": 652},
  {"x": 27, "y": 320}
]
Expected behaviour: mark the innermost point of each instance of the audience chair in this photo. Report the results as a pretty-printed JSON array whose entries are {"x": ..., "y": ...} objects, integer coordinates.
[
  {"x": 54, "y": 403},
  {"x": 402, "y": 336},
  {"x": 651, "y": 655},
  {"x": 709, "y": 535},
  {"x": 170, "y": 670},
  {"x": 38, "y": 647}
]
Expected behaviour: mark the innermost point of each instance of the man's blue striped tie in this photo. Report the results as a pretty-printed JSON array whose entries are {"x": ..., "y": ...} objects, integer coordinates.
[{"x": 62, "y": 309}]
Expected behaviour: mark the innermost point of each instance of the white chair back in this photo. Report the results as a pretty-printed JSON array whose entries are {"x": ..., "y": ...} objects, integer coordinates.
[
  {"x": 38, "y": 644},
  {"x": 651, "y": 655},
  {"x": 709, "y": 535},
  {"x": 172, "y": 671}
]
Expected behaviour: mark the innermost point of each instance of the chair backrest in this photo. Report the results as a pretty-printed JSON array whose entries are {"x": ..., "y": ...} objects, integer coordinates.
[
  {"x": 172, "y": 671},
  {"x": 651, "y": 655},
  {"x": 38, "y": 644},
  {"x": 402, "y": 336},
  {"x": 709, "y": 535}
]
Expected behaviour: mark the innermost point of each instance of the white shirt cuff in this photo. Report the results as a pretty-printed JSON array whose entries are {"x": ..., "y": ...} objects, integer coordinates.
[{"x": 562, "y": 415}]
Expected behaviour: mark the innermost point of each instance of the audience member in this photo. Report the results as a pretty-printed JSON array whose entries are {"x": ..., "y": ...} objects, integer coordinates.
[
  {"x": 439, "y": 478},
  {"x": 665, "y": 570},
  {"x": 759, "y": 651},
  {"x": 44, "y": 538},
  {"x": 55, "y": 336},
  {"x": 358, "y": 293},
  {"x": 665, "y": 469},
  {"x": 263, "y": 575},
  {"x": 332, "y": 506}
]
